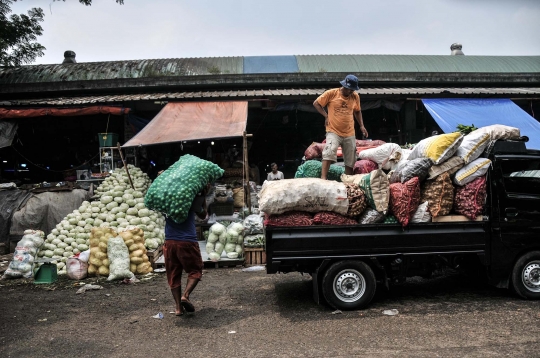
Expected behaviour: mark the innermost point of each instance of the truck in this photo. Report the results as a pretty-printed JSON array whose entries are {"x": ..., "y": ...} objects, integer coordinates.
[{"x": 348, "y": 263}]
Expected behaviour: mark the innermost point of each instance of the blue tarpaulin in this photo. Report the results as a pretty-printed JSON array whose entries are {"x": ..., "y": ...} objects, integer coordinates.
[{"x": 449, "y": 112}]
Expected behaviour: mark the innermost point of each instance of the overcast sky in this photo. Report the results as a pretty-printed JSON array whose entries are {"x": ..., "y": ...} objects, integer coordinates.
[{"x": 149, "y": 29}]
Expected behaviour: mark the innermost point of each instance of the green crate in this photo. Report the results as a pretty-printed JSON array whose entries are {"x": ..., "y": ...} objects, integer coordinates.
[
  {"x": 108, "y": 139},
  {"x": 46, "y": 273}
]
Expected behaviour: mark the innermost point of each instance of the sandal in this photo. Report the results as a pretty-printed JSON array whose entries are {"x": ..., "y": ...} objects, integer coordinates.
[{"x": 188, "y": 306}]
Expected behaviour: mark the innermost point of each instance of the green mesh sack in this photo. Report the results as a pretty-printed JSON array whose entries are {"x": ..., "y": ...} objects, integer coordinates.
[
  {"x": 313, "y": 169},
  {"x": 173, "y": 192}
]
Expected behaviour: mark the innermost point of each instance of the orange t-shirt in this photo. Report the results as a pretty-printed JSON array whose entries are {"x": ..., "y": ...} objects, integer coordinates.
[{"x": 340, "y": 111}]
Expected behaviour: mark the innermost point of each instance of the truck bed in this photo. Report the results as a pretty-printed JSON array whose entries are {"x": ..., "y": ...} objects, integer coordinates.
[{"x": 302, "y": 248}]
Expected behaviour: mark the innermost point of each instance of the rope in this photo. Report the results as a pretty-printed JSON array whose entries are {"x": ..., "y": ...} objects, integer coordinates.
[{"x": 55, "y": 171}]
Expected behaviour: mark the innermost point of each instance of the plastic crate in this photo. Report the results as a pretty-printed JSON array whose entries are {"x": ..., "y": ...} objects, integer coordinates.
[
  {"x": 222, "y": 209},
  {"x": 108, "y": 139}
]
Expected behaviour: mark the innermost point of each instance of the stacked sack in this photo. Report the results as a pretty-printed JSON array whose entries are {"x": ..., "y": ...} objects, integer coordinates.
[{"x": 443, "y": 174}]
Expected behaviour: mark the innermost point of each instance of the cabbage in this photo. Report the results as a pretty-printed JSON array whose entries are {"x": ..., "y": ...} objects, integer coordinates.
[
  {"x": 219, "y": 248},
  {"x": 223, "y": 238},
  {"x": 239, "y": 250},
  {"x": 236, "y": 227},
  {"x": 210, "y": 247},
  {"x": 214, "y": 256},
  {"x": 217, "y": 229},
  {"x": 106, "y": 199},
  {"x": 230, "y": 247},
  {"x": 232, "y": 255}
]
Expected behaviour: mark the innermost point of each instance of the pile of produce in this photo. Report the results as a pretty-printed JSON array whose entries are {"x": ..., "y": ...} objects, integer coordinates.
[
  {"x": 173, "y": 191},
  {"x": 229, "y": 239},
  {"x": 118, "y": 207},
  {"x": 253, "y": 229}
]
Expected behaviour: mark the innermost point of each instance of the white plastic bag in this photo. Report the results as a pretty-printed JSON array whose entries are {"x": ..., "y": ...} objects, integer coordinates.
[
  {"x": 22, "y": 265},
  {"x": 422, "y": 214},
  {"x": 253, "y": 224},
  {"x": 118, "y": 254},
  {"x": 77, "y": 269}
]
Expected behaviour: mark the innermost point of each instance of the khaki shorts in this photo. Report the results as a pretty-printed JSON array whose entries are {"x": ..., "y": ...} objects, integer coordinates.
[{"x": 348, "y": 147}]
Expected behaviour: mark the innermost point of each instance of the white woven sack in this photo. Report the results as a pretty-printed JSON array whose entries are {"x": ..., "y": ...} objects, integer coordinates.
[
  {"x": 438, "y": 147},
  {"x": 303, "y": 194},
  {"x": 499, "y": 131},
  {"x": 386, "y": 155},
  {"x": 422, "y": 214},
  {"x": 473, "y": 146},
  {"x": 471, "y": 171}
]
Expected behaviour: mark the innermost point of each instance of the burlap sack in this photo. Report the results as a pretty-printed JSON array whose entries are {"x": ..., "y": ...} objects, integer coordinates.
[
  {"x": 438, "y": 148},
  {"x": 439, "y": 194},
  {"x": 471, "y": 171},
  {"x": 303, "y": 194},
  {"x": 238, "y": 196},
  {"x": 375, "y": 185},
  {"x": 473, "y": 146}
]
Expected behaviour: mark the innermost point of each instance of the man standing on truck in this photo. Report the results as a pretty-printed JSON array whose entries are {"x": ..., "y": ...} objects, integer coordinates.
[{"x": 343, "y": 106}]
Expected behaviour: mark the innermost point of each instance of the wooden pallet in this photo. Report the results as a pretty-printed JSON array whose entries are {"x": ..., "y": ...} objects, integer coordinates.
[
  {"x": 255, "y": 256},
  {"x": 154, "y": 255},
  {"x": 224, "y": 263}
]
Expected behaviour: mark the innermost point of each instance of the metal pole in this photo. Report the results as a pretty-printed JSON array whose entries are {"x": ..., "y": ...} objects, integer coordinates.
[{"x": 125, "y": 165}]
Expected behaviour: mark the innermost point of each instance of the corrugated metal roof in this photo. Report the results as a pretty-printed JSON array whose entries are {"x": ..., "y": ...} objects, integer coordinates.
[
  {"x": 270, "y": 64},
  {"x": 418, "y": 63},
  {"x": 122, "y": 70},
  {"x": 264, "y": 93},
  {"x": 180, "y": 67}
]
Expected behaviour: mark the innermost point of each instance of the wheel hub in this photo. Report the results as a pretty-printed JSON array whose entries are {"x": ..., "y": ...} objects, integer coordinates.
[
  {"x": 349, "y": 285},
  {"x": 531, "y": 276}
]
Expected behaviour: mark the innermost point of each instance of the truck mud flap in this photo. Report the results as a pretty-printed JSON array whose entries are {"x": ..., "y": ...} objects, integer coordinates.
[{"x": 317, "y": 293}]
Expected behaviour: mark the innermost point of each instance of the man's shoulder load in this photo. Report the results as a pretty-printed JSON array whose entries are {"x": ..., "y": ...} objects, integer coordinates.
[
  {"x": 173, "y": 192},
  {"x": 443, "y": 177}
]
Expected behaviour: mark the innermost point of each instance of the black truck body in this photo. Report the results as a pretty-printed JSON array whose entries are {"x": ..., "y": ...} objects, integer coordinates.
[{"x": 348, "y": 262}]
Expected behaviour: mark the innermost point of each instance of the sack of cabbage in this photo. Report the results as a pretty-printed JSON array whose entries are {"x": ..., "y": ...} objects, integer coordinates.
[
  {"x": 173, "y": 192},
  {"x": 229, "y": 239},
  {"x": 22, "y": 265}
]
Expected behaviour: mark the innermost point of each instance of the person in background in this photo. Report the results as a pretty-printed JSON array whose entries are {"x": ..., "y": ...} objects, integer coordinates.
[
  {"x": 343, "y": 105},
  {"x": 182, "y": 253},
  {"x": 275, "y": 174}
]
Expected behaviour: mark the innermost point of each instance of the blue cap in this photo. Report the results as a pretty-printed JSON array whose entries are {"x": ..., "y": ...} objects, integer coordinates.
[{"x": 350, "y": 82}]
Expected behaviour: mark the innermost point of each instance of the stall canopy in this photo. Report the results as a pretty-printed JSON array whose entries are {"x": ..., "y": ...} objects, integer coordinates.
[
  {"x": 450, "y": 112},
  {"x": 61, "y": 112},
  {"x": 193, "y": 121}
]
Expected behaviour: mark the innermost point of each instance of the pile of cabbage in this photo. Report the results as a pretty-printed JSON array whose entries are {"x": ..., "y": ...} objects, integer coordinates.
[
  {"x": 229, "y": 239},
  {"x": 118, "y": 207}
]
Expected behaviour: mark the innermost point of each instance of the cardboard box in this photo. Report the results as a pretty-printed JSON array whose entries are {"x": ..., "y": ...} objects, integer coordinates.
[{"x": 452, "y": 218}]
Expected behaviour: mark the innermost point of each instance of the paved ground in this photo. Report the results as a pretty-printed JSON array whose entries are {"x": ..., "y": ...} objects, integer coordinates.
[{"x": 241, "y": 314}]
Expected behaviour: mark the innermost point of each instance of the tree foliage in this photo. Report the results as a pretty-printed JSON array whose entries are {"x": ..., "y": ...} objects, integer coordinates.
[{"x": 18, "y": 34}]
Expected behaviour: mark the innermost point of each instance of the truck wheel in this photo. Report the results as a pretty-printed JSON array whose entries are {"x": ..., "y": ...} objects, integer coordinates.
[
  {"x": 526, "y": 275},
  {"x": 349, "y": 285}
]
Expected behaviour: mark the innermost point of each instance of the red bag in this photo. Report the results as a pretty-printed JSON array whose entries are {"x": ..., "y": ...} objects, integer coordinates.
[
  {"x": 314, "y": 151},
  {"x": 364, "y": 166},
  {"x": 291, "y": 218},
  {"x": 469, "y": 200},
  {"x": 404, "y": 199},
  {"x": 331, "y": 218}
]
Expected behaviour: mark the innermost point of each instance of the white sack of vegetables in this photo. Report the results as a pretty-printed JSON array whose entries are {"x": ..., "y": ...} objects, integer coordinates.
[
  {"x": 174, "y": 190},
  {"x": 99, "y": 261},
  {"x": 134, "y": 240},
  {"x": 22, "y": 265},
  {"x": 119, "y": 259},
  {"x": 303, "y": 194}
]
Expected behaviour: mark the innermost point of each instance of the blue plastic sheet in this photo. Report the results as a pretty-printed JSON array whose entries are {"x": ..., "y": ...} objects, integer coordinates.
[{"x": 450, "y": 112}]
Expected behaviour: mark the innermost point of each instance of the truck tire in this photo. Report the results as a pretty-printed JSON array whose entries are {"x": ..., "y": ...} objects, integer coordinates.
[
  {"x": 349, "y": 285},
  {"x": 526, "y": 276}
]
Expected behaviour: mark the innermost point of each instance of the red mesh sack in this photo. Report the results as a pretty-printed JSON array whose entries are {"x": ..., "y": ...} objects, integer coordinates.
[
  {"x": 291, "y": 218},
  {"x": 364, "y": 166},
  {"x": 331, "y": 218},
  {"x": 469, "y": 200},
  {"x": 314, "y": 151},
  {"x": 369, "y": 143},
  {"x": 404, "y": 199}
]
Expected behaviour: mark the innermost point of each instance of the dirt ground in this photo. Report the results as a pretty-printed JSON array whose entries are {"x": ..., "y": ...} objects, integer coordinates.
[{"x": 252, "y": 314}]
